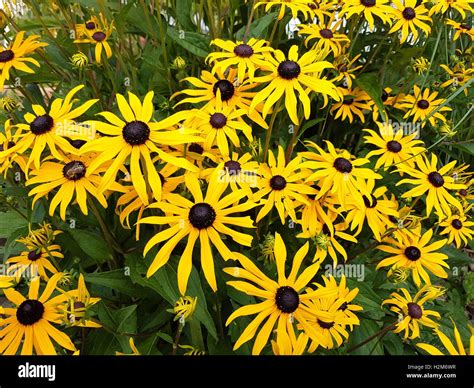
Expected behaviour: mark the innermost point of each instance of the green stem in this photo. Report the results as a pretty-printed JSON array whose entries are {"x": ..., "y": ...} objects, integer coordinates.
[
  {"x": 381, "y": 332},
  {"x": 270, "y": 131},
  {"x": 176, "y": 338}
]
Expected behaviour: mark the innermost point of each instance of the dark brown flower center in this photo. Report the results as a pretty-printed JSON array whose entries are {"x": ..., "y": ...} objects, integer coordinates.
[
  {"x": 232, "y": 167},
  {"x": 99, "y": 36},
  {"x": 326, "y": 33},
  {"x": 368, "y": 3},
  {"x": 464, "y": 26},
  {"x": 30, "y": 312},
  {"x": 343, "y": 68},
  {"x": 34, "y": 255},
  {"x": 414, "y": 310},
  {"x": 287, "y": 299},
  {"x": 394, "y": 146},
  {"x": 78, "y": 305},
  {"x": 412, "y": 253},
  {"x": 348, "y": 101},
  {"x": 289, "y": 69},
  {"x": 277, "y": 182},
  {"x": 202, "y": 215},
  {"x": 343, "y": 307},
  {"x": 74, "y": 170},
  {"x": 218, "y": 120},
  {"x": 77, "y": 143},
  {"x": 436, "y": 179},
  {"x": 42, "y": 124},
  {"x": 370, "y": 204},
  {"x": 463, "y": 192},
  {"x": 456, "y": 224},
  {"x": 90, "y": 25},
  {"x": 325, "y": 325},
  {"x": 423, "y": 104},
  {"x": 136, "y": 133},
  {"x": 6, "y": 56},
  {"x": 409, "y": 13},
  {"x": 384, "y": 96},
  {"x": 196, "y": 148},
  {"x": 243, "y": 51},
  {"x": 342, "y": 165},
  {"x": 226, "y": 88}
]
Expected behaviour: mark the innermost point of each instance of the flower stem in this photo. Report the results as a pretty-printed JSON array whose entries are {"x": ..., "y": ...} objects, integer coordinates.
[{"x": 381, "y": 332}]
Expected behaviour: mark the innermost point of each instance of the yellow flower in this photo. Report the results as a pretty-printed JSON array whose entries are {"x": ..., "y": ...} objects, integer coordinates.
[
  {"x": 295, "y": 6},
  {"x": 458, "y": 76},
  {"x": 15, "y": 56},
  {"x": 283, "y": 299},
  {"x": 457, "y": 227},
  {"x": 97, "y": 35},
  {"x": 408, "y": 18},
  {"x": 368, "y": 8},
  {"x": 354, "y": 102},
  {"x": 296, "y": 73},
  {"x": 411, "y": 311},
  {"x": 413, "y": 252},
  {"x": 294, "y": 347},
  {"x": 456, "y": 349},
  {"x": 184, "y": 307},
  {"x": 40, "y": 237},
  {"x": 442, "y": 6},
  {"x": 79, "y": 60},
  {"x": 461, "y": 29},
  {"x": 346, "y": 69},
  {"x": 421, "y": 65},
  {"x": 32, "y": 319},
  {"x": 7, "y": 141}
]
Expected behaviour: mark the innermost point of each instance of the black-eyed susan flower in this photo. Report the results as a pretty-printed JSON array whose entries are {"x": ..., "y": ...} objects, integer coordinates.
[
  {"x": 248, "y": 56},
  {"x": 205, "y": 218},
  {"x": 79, "y": 60},
  {"x": 338, "y": 173},
  {"x": 369, "y": 9},
  {"x": 137, "y": 137},
  {"x": 458, "y": 229},
  {"x": 47, "y": 130},
  {"x": 35, "y": 261},
  {"x": 233, "y": 94},
  {"x": 459, "y": 75},
  {"x": 376, "y": 211},
  {"x": 75, "y": 310},
  {"x": 280, "y": 185},
  {"x": 325, "y": 36},
  {"x": 421, "y": 105},
  {"x": 97, "y": 34},
  {"x": 71, "y": 178},
  {"x": 461, "y": 29},
  {"x": 8, "y": 104},
  {"x": 346, "y": 68},
  {"x": 442, "y": 6},
  {"x": 15, "y": 56},
  {"x": 408, "y": 18},
  {"x": 411, "y": 311},
  {"x": 453, "y": 348},
  {"x": 91, "y": 25},
  {"x": 293, "y": 347},
  {"x": 415, "y": 252},
  {"x": 427, "y": 177},
  {"x": 8, "y": 139},
  {"x": 295, "y": 7},
  {"x": 283, "y": 299},
  {"x": 301, "y": 74},
  {"x": 393, "y": 147},
  {"x": 40, "y": 237},
  {"x": 354, "y": 102},
  {"x": 421, "y": 65},
  {"x": 218, "y": 124},
  {"x": 184, "y": 308},
  {"x": 30, "y": 322}
]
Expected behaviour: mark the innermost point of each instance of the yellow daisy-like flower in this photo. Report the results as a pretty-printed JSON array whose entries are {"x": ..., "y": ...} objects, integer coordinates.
[
  {"x": 346, "y": 69},
  {"x": 218, "y": 124},
  {"x": 247, "y": 57},
  {"x": 411, "y": 311},
  {"x": 393, "y": 147},
  {"x": 204, "y": 218},
  {"x": 295, "y": 73},
  {"x": 338, "y": 173},
  {"x": 295, "y": 6},
  {"x": 283, "y": 299},
  {"x": 376, "y": 211},
  {"x": 291, "y": 348},
  {"x": 232, "y": 93},
  {"x": 281, "y": 184},
  {"x": 443, "y": 6},
  {"x": 411, "y": 251},
  {"x": 184, "y": 307},
  {"x": 457, "y": 227},
  {"x": 421, "y": 65},
  {"x": 428, "y": 178},
  {"x": 137, "y": 137},
  {"x": 8, "y": 140},
  {"x": 408, "y": 18},
  {"x": 461, "y": 29},
  {"x": 15, "y": 56},
  {"x": 7, "y": 282},
  {"x": 369, "y": 9},
  {"x": 47, "y": 129},
  {"x": 76, "y": 308},
  {"x": 458, "y": 76},
  {"x": 420, "y": 105},
  {"x": 97, "y": 36},
  {"x": 326, "y": 35},
  {"x": 70, "y": 175},
  {"x": 355, "y": 101},
  {"x": 30, "y": 322},
  {"x": 38, "y": 238},
  {"x": 35, "y": 262},
  {"x": 453, "y": 348},
  {"x": 89, "y": 26}
]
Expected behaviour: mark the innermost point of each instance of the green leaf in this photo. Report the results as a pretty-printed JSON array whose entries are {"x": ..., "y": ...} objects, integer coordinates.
[
  {"x": 258, "y": 27},
  {"x": 193, "y": 42},
  {"x": 366, "y": 329},
  {"x": 115, "y": 280},
  {"x": 456, "y": 257},
  {"x": 370, "y": 84},
  {"x": 9, "y": 221},
  {"x": 92, "y": 245},
  {"x": 183, "y": 14}
]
